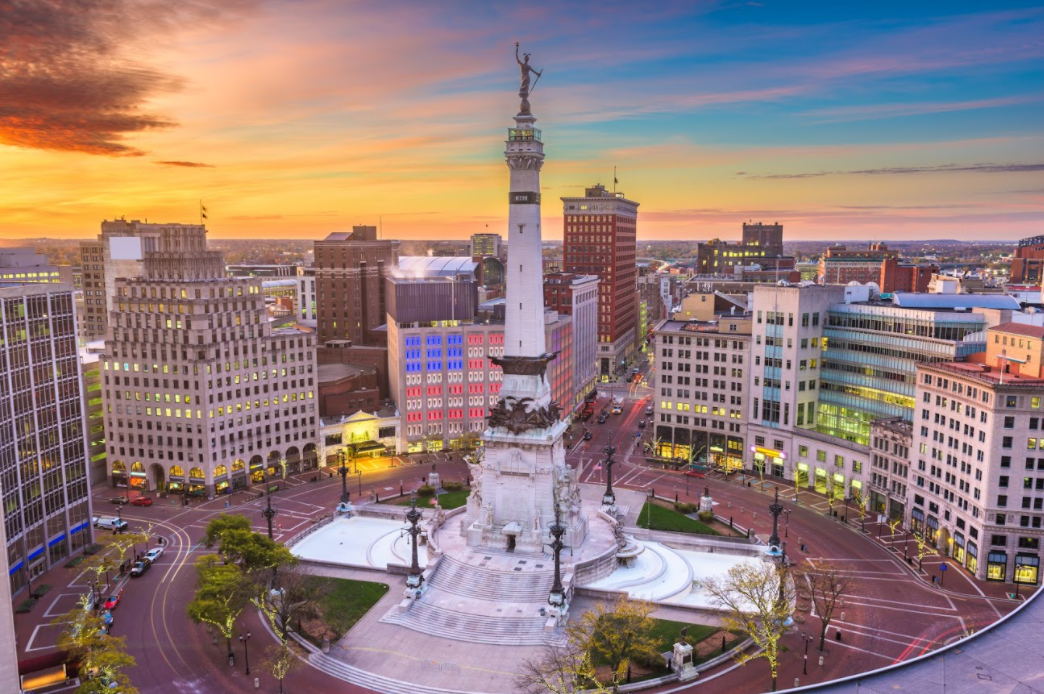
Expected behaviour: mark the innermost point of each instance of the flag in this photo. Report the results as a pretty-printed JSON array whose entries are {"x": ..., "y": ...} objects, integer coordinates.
[
  {"x": 202, "y": 211},
  {"x": 598, "y": 466}
]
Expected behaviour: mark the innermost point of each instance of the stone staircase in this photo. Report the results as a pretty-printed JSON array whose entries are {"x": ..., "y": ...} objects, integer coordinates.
[
  {"x": 368, "y": 680},
  {"x": 454, "y": 576},
  {"x": 493, "y": 629}
]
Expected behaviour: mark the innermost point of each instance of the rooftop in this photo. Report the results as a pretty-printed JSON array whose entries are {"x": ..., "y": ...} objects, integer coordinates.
[
  {"x": 436, "y": 266},
  {"x": 1021, "y": 329},
  {"x": 984, "y": 374},
  {"x": 331, "y": 373},
  {"x": 952, "y": 301}
]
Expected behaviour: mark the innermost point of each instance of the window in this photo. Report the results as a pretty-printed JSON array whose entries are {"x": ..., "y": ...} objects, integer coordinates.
[
  {"x": 998, "y": 540},
  {"x": 1009, "y": 422},
  {"x": 1006, "y": 442},
  {"x": 1002, "y": 501}
]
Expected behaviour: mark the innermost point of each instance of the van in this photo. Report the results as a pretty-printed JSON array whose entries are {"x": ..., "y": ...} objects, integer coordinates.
[{"x": 110, "y": 524}]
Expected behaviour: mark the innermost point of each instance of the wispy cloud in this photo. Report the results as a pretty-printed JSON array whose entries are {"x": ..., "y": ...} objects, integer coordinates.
[
  {"x": 67, "y": 79},
  {"x": 839, "y": 114},
  {"x": 185, "y": 164},
  {"x": 906, "y": 171}
]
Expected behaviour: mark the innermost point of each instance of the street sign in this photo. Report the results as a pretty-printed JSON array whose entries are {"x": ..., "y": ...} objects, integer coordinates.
[{"x": 943, "y": 567}]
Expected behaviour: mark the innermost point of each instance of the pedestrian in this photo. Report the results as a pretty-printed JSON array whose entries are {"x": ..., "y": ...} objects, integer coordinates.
[{"x": 838, "y": 635}]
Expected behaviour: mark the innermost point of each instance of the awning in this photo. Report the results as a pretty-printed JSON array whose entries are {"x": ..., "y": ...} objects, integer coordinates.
[
  {"x": 370, "y": 446},
  {"x": 513, "y": 528}
]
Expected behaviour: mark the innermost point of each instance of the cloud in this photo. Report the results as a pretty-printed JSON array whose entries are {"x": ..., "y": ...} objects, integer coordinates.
[
  {"x": 255, "y": 217},
  {"x": 67, "y": 78},
  {"x": 186, "y": 164},
  {"x": 871, "y": 111},
  {"x": 907, "y": 170}
]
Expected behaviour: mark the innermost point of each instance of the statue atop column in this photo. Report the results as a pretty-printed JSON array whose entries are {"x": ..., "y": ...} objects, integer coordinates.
[{"x": 524, "y": 87}]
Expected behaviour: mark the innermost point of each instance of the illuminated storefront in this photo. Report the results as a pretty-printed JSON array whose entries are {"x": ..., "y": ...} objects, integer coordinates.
[
  {"x": 997, "y": 566},
  {"x": 768, "y": 461},
  {"x": 119, "y": 474},
  {"x": 1027, "y": 569},
  {"x": 973, "y": 557}
]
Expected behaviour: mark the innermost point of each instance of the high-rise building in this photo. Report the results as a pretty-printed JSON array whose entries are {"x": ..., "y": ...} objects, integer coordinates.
[
  {"x": 307, "y": 314},
  {"x": 700, "y": 390},
  {"x": 600, "y": 239},
  {"x": 717, "y": 257},
  {"x": 97, "y": 449},
  {"x": 841, "y": 265},
  {"x": 350, "y": 269},
  {"x": 26, "y": 266},
  {"x": 201, "y": 394},
  {"x": 766, "y": 236},
  {"x": 977, "y": 479},
  {"x": 1027, "y": 267},
  {"x": 483, "y": 245},
  {"x": 577, "y": 296},
  {"x": 43, "y": 461}
]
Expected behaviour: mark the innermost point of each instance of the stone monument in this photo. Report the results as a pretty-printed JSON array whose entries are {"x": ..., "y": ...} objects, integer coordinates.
[
  {"x": 523, "y": 483},
  {"x": 706, "y": 502}
]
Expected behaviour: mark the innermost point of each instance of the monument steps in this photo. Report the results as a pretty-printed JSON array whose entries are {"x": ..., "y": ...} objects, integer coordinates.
[
  {"x": 454, "y": 576},
  {"x": 368, "y": 680},
  {"x": 459, "y": 626}
]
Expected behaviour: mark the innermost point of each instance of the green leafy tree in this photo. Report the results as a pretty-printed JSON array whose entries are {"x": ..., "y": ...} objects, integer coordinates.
[
  {"x": 222, "y": 591},
  {"x": 222, "y": 524},
  {"x": 102, "y": 658},
  {"x": 619, "y": 633},
  {"x": 237, "y": 543}
]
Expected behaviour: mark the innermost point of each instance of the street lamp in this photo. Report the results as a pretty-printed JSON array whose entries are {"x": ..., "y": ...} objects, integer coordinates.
[
  {"x": 806, "y": 638},
  {"x": 345, "y": 496},
  {"x": 609, "y": 498},
  {"x": 906, "y": 545},
  {"x": 775, "y": 508},
  {"x": 648, "y": 514},
  {"x": 556, "y": 598},
  {"x": 268, "y": 512},
  {"x": 244, "y": 639},
  {"x": 845, "y": 518},
  {"x": 415, "y": 579},
  {"x": 786, "y": 529}
]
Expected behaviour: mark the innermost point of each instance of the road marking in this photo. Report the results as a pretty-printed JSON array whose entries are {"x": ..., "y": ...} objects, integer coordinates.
[{"x": 29, "y": 646}]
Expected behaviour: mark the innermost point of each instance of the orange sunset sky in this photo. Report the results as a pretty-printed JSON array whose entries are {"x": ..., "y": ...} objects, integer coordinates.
[{"x": 294, "y": 119}]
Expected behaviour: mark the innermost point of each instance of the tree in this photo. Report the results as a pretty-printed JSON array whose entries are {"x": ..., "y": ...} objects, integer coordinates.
[
  {"x": 279, "y": 660},
  {"x": 749, "y": 592},
  {"x": 220, "y": 525},
  {"x": 298, "y": 596},
  {"x": 102, "y": 658},
  {"x": 561, "y": 670},
  {"x": 894, "y": 523},
  {"x": 922, "y": 547},
  {"x": 469, "y": 442},
  {"x": 827, "y": 585},
  {"x": 123, "y": 543},
  {"x": 100, "y": 563},
  {"x": 222, "y": 591},
  {"x": 619, "y": 633}
]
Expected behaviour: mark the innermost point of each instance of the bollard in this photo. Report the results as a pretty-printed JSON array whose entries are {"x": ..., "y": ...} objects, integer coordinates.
[
  {"x": 257, "y": 683},
  {"x": 797, "y": 682},
  {"x": 820, "y": 660},
  {"x": 842, "y": 616},
  {"x": 842, "y": 604},
  {"x": 730, "y": 522}
]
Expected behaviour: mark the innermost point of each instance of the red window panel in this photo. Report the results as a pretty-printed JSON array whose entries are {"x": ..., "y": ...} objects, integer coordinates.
[
  {"x": 476, "y": 388},
  {"x": 494, "y": 388}
]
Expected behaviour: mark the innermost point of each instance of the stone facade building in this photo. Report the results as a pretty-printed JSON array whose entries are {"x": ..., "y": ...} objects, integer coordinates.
[{"x": 201, "y": 394}]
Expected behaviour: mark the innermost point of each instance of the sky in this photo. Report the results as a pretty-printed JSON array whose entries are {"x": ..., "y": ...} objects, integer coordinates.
[{"x": 296, "y": 118}]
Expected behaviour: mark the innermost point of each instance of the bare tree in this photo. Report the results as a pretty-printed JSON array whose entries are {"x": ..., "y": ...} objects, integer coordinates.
[
  {"x": 297, "y": 596},
  {"x": 560, "y": 670},
  {"x": 750, "y": 594},
  {"x": 827, "y": 584}
]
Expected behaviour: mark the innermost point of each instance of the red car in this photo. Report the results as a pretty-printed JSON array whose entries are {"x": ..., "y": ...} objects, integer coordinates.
[
  {"x": 113, "y": 600},
  {"x": 142, "y": 501},
  {"x": 695, "y": 473}
]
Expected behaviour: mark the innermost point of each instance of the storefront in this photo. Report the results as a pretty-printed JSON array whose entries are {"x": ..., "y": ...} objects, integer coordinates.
[
  {"x": 176, "y": 484},
  {"x": 973, "y": 557},
  {"x": 801, "y": 476},
  {"x": 821, "y": 480},
  {"x": 917, "y": 520},
  {"x": 933, "y": 529},
  {"x": 1027, "y": 569},
  {"x": 768, "y": 461},
  {"x": 958, "y": 547},
  {"x": 997, "y": 566},
  {"x": 221, "y": 484},
  {"x": 878, "y": 502},
  {"x": 839, "y": 486},
  {"x": 120, "y": 478}
]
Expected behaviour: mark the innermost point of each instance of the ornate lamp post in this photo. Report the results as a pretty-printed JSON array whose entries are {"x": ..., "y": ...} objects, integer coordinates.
[
  {"x": 782, "y": 571},
  {"x": 556, "y": 598},
  {"x": 345, "y": 496},
  {"x": 415, "y": 580},
  {"x": 244, "y": 639},
  {"x": 268, "y": 512},
  {"x": 775, "y": 508},
  {"x": 806, "y": 638},
  {"x": 609, "y": 498}
]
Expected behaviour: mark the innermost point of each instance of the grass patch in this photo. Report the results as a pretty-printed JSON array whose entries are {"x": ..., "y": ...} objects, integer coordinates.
[
  {"x": 93, "y": 549},
  {"x": 666, "y": 633},
  {"x": 656, "y": 517},
  {"x": 448, "y": 500},
  {"x": 26, "y": 606},
  {"x": 346, "y": 601},
  {"x": 41, "y": 590}
]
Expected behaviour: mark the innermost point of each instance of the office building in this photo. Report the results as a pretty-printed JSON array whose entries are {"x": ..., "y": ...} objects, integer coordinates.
[
  {"x": 577, "y": 296},
  {"x": 600, "y": 239},
  {"x": 307, "y": 313},
  {"x": 97, "y": 448},
  {"x": 891, "y": 441},
  {"x": 1027, "y": 267},
  {"x": 43, "y": 461},
  {"x": 978, "y": 478},
  {"x": 486, "y": 245},
  {"x": 905, "y": 277},
  {"x": 700, "y": 390},
  {"x": 26, "y": 266},
  {"x": 720, "y": 258},
  {"x": 766, "y": 236},
  {"x": 841, "y": 265},
  {"x": 350, "y": 269},
  {"x": 201, "y": 394}
]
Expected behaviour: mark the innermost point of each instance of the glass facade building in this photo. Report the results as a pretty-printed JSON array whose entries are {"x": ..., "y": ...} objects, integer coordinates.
[
  {"x": 870, "y": 358},
  {"x": 43, "y": 463}
]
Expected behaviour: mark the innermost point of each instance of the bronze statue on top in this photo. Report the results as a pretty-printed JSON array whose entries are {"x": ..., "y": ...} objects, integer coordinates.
[{"x": 524, "y": 88}]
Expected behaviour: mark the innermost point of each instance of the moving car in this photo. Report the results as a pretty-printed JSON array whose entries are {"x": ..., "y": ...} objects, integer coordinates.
[
  {"x": 119, "y": 500},
  {"x": 649, "y": 411},
  {"x": 154, "y": 554},
  {"x": 142, "y": 501},
  {"x": 641, "y": 424},
  {"x": 140, "y": 567},
  {"x": 601, "y": 419},
  {"x": 587, "y": 436},
  {"x": 109, "y": 523},
  {"x": 617, "y": 409},
  {"x": 113, "y": 600}
]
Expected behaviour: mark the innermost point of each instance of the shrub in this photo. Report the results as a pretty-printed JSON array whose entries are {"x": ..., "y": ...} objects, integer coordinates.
[
  {"x": 685, "y": 507},
  {"x": 41, "y": 590},
  {"x": 26, "y": 606},
  {"x": 453, "y": 486},
  {"x": 705, "y": 516},
  {"x": 74, "y": 562},
  {"x": 93, "y": 549},
  {"x": 425, "y": 490}
]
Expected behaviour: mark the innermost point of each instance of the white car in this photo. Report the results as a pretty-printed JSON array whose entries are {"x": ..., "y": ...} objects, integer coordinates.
[{"x": 154, "y": 554}]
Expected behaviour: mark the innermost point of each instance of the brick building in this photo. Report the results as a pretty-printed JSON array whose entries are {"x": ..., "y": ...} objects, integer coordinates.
[{"x": 1027, "y": 267}]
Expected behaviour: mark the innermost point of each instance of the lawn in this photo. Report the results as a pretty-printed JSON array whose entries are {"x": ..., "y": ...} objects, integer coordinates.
[
  {"x": 449, "y": 500},
  {"x": 656, "y": 517},
  {"x": 346, "y": 601},
  {"x": 666, "y": 633}
]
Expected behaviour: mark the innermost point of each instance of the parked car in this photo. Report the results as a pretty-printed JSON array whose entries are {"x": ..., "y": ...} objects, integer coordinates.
[
  {"x": 113, "y": 600},
  {"x": 641, "y": 424},
  {"x": 601, "y": 419},
  {"x": 140, "y": 567},
  {"x": 695, "y": 473},
  {"x": 587, "y": 436},
  {"x": 142, "y": 501},
  {"x": 109, "y": 523},
  {"x": 119, "y": 500},
  {"x": 154, "y": 554}
]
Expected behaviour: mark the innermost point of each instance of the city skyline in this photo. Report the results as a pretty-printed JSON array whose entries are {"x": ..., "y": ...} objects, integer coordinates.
[{"x": 298, "y": 120}]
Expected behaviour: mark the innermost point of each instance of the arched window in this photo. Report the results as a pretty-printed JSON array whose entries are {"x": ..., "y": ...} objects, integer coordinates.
[
  {"x": 238, "y": 465},
  {"x": 220, "y": 470},
  {"x": 177, "y": 471},
  {"x": 137, "y": 467},
  {"x": 195, "y": 472},
  {"x": 118, "y": 466}
]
